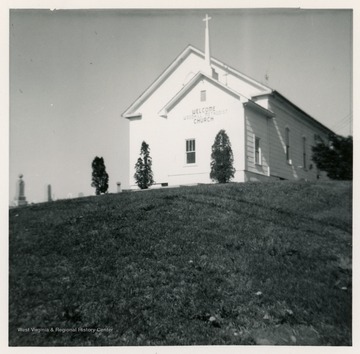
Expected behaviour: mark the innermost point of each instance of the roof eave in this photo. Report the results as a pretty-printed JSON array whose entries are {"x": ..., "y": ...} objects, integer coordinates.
[
  {"x": 268, "y": 93},
  {"x": 132, "y": 116},
  {"x": 253, "y": 105},
  {"x": 278, "y": 94}
]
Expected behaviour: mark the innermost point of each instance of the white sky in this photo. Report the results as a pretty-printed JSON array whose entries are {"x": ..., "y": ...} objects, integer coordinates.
[{"x": 72, "y": 74}]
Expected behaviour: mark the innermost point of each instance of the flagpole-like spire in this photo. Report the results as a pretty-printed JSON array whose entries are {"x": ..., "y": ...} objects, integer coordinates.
[{"x": 207, "y": 43}]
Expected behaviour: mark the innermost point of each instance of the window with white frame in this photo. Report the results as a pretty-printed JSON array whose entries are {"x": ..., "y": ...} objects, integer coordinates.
[
  {"x": 190, "y": 151},
  {"x": 287, "y": 145},
  {"x": 304, "y": 153},
  {"x": 258, "y": 157}
]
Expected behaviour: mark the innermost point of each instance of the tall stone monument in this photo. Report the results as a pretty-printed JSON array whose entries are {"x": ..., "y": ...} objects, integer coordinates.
[
  {"x": 49, "y": 198},
  {"x": 20, "y": 192}
]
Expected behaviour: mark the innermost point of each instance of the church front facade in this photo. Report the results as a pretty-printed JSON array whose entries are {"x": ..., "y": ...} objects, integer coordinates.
[{"x": 180, "y": 114}]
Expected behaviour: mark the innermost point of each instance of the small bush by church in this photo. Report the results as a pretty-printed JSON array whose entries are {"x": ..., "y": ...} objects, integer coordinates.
[
  {"x": 222, "y": 159},
  {"x": 143, "y": 171}
]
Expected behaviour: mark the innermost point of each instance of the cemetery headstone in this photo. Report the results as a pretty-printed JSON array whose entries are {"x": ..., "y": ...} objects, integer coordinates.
[
  {"x": 49, "y": 193},
  {"x": 118, "y": 187},
  {"x": 20, "y": 192}
]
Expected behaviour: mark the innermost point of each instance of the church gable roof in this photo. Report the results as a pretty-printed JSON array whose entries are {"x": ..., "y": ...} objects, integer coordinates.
[
  {"x": 163, "y": 76},
  {"x": 285, "y": 102},
  {"x": 132, "y": 109},
  {"x": 182, "y": 93}
]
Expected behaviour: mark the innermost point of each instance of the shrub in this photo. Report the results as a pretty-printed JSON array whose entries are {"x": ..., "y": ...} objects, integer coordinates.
[
  {"x": 335, "y": 157},
  {"x": 100, "y": 179},
  {"x": 222, "y": 159},
  {"x": 143, "y": 172}
]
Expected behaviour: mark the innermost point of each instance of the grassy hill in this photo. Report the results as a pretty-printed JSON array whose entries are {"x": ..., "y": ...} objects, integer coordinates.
[{"x": 212, "y": 264}]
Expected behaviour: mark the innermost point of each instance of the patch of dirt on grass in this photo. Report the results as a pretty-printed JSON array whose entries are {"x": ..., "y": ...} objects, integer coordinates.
[{"x": 286, "y": 335}]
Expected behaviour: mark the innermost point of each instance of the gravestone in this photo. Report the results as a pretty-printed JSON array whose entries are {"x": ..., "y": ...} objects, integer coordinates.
[
  {"x": 118, "y": 187},
  {"x": 20, "y": 192},
  {"x": 49, "y": 193}
]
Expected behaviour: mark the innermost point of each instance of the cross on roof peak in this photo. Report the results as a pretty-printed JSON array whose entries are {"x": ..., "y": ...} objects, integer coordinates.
[{"x": 207, "y": 18}]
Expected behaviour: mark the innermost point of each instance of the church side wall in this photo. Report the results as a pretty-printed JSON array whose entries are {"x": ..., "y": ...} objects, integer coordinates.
[
  {"x": 299, "y": 128},
  {"x": 256, "y": 126}
]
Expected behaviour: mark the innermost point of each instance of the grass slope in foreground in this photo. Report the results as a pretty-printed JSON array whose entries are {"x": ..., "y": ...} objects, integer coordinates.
[{"x": 212, "y": 264}]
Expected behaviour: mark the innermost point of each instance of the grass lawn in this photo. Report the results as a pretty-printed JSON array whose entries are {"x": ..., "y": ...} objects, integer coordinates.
[{"x": 235, "y": 264}]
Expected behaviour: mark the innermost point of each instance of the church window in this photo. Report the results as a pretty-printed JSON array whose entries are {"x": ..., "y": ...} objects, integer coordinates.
[
  {"x": 304, "y": 152},
  {"x": 257, "y": 151},
  {"x": 203, "y": 96},
  {"x": 190, "y": 151},
  {"x": 287, "y": 145}
]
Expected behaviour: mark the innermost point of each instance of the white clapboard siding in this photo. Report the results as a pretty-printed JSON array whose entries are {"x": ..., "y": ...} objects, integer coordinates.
[{"x": 256, "y": 125}]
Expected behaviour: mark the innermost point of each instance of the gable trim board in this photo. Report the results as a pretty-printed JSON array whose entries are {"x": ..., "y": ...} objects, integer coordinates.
[
  {"x": 199, "y": 76},
  {"x": 253, "y": 105}
]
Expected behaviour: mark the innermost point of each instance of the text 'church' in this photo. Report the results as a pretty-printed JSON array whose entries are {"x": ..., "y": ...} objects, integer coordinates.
[{"x": 180, "y": 114}]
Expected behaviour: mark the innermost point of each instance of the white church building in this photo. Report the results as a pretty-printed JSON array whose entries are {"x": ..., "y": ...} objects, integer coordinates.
[{"x": 180, "y": 114}]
